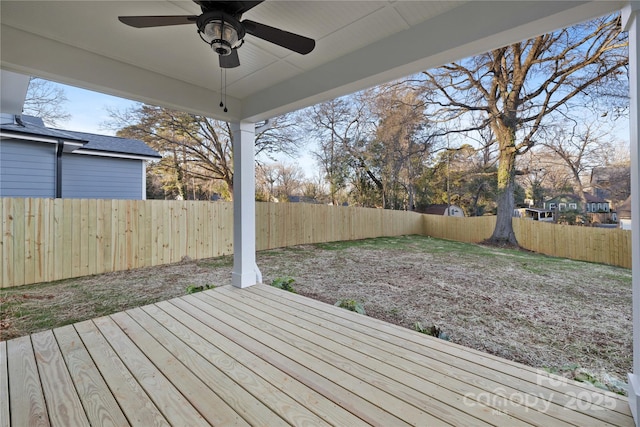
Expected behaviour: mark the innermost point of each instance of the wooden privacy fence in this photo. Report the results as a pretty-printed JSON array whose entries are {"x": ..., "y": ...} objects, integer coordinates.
[
  {"x": 601, "y": 245},
  {"x": 468, "y": 229},
  {"x": 52, "y": 239}
]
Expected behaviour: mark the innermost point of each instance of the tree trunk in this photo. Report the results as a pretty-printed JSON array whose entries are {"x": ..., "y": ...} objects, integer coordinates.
[{"x": 503, "y": 233}]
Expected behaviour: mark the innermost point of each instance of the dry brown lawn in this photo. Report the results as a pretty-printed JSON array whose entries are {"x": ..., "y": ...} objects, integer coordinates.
[{"x": 541, "y": 311}]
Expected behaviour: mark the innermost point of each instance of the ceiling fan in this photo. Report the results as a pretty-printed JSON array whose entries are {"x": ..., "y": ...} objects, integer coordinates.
[{"x": 220, "y": 26}]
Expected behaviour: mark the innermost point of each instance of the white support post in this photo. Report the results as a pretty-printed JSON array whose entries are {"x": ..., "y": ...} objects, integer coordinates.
[
  {"x": 630, "y": 16},
  {"x": 245, "y": 272}
]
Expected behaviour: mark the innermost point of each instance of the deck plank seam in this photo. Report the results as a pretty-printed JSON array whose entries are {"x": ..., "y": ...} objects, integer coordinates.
[
  {"x": 41, "y": 369},
  {"x": 5, "y": 408},
  {"x": 130, "y": 347},
  {"x": 67, "y": 358},
  {"x": 161, "y": 369}
]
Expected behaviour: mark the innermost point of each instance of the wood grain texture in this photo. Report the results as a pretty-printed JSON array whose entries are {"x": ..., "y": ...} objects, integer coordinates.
[
  {"x": 5, "y": 415},
  {"x": 356, "y": 390},
  {"x": 63, "y": 405},
  {"x": 209, "y": 343},
  {"x": 191, "y": 374},
  {"x": 94, "y": 236},
  {"x": 99, "y": 404},
  {"x": 383, "y": 377},
  {"x": 27, "y": 403},
  {"x": 171, "y": 403},
  {"x": 131, "y": 397}
]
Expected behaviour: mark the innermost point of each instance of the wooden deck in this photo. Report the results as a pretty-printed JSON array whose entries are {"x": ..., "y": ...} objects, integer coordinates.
[{"x": 265, "y": 357}]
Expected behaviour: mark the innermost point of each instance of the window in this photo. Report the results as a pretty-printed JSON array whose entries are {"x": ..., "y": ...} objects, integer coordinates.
[
  {"x": 599, "y": 207},
  {"x": 573, "y": 206},
  {"x": 594, "y": 207},
  {"x": 552, "y": 205},
  {"x": 562, "y": 207}
]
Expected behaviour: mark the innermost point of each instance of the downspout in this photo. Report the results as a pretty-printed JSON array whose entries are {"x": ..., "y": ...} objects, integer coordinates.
[{"x": 59, "y": 149}]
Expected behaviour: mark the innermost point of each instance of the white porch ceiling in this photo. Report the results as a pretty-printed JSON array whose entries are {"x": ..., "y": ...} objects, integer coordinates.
[{"x": 359, "y": 44}]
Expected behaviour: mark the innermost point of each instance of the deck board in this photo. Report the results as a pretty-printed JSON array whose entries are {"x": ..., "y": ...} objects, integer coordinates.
[
  {"x": 130, "y": 396},
  {"x": 99, "y": 404},
  {"x": 4, "y": 387},
  {"x": 262, "y": 356},
  {"x": 28, "y": 407},
  {"x": 63, "y": 404}
]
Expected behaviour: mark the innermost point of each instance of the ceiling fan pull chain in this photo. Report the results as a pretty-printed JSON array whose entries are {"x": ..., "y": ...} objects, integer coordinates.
[
  {"x": 225, "y": 90},
  {"x": 221, "y": 103}
]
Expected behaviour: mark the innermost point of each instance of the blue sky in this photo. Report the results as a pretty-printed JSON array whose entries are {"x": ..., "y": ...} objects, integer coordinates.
[{"x": 88, "y": 109}]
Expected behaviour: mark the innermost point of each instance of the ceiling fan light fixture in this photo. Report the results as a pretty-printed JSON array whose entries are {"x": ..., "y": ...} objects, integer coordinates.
[{"x": 220, "y": 31}]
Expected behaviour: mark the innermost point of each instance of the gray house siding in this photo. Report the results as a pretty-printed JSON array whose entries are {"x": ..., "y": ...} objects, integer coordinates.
[
  {"x": 27, "y": 169},
  {"x": 95, "y": 177}
]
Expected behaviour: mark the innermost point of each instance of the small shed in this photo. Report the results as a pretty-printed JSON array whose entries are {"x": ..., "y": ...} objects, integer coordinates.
[
  {"x": 444, "y": 209},
  {"x": 37, "y": 161}
]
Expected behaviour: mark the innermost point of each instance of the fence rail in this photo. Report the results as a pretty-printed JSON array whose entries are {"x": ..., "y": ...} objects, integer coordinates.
[{"x": 52, "y": 239}]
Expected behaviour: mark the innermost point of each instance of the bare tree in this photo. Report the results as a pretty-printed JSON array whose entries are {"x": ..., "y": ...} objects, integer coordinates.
[
  {"x": 402, "y": 143},
  {"x": 335, "y": 124},
  {"x": 46, "y": 100},
  {"x": 196, "y": 150},
  {"x": 517, "y": 89},
  {"x": 279, "y": 181},
  {"x": 579, "y": 148}
]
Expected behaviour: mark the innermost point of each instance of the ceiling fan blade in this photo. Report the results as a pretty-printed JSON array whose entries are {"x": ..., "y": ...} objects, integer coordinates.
[
  {"x": 157, "y": 21},
  {"x": 291, "y": 41},
  {"x": 231, "y": 7},
  {"x": 230, "y": 61}
]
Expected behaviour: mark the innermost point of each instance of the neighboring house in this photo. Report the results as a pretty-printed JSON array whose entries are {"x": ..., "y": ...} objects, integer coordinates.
[
  {"x": 611, "y": 183},
  {"x": 443, "y": 209},
  {"x": 596, "y": 209},
  {"x": 571, "y": 202},
  {"x": 624, "y": 214},
  {"x": 37, "y": 161}
]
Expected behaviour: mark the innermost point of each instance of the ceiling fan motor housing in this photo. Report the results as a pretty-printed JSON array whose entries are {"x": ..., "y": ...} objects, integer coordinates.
[{"x": 221, "y": 31}]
